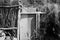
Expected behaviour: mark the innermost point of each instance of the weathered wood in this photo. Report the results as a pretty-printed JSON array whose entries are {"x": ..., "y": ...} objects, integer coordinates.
[{"x": 9, "y": 17}]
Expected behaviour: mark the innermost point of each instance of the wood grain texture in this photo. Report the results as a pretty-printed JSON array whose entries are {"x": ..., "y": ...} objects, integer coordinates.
[{"x": 9, "y": 17}]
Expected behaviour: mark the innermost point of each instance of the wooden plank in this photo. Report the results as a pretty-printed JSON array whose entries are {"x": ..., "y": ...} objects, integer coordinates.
[
  {"x": 18, "y": 33},
  {"x": 36, "y": 24},
  {"x": 12, "y": 6},
  {"x": 33, "y": 13},
  {"x": 9, "y": 28}
]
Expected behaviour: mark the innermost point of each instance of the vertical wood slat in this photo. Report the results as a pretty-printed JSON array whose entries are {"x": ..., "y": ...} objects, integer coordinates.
[
  {"x": 36, "y": 24},
  {"x": 19, "y": 17},
  {"x": 18, "y": 32}
]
